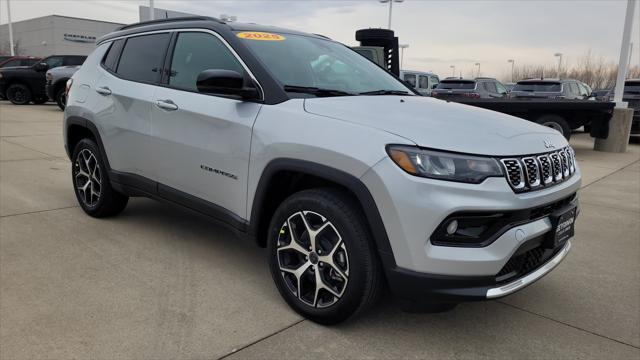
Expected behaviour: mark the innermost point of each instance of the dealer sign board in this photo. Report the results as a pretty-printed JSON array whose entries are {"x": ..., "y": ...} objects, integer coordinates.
[{"x": 79, "y": 38}]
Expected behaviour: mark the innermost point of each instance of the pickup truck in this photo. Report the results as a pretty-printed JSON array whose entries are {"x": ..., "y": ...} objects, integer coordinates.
[
  {"x": 24, "y": 84},
  {"x": 561, "y": 115},
  {"x": 56, "y": 81}
]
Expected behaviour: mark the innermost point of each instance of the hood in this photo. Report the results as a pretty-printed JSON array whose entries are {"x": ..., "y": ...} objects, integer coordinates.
[{"x": 438, "y": 124}]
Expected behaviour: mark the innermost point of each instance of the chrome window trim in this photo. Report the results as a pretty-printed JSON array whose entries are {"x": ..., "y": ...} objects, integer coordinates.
[{"x": 244, "y": 65}]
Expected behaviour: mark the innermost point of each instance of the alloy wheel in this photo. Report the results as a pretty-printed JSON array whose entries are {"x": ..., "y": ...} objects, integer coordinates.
[
  {"x": 19, "y": 96},
  {"x": 88, "y": 177},
  {"x": 313, "y": 259}
]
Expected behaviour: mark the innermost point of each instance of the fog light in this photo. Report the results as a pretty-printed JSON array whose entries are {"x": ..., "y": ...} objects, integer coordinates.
[{"x": 452, "y": 227}]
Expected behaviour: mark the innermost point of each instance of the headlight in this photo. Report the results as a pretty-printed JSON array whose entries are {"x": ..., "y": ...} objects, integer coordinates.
[{"x": 443, "y": 165}]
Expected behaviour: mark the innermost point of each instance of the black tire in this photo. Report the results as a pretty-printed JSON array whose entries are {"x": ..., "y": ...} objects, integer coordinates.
[
  {"x": 364, "y": 279},
  {"x": 107, "y": 202},
  {"x": 61, "y": 98},
  {"x": 557, "y": 123},
  {"x": 18, "y": 94}
]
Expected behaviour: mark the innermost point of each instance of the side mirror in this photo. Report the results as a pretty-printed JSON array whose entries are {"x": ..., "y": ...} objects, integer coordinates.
[
  {"x": 434, "y": 86},
  {"x": 41, "y": 66},
  {"x": 226, "y": 83}
]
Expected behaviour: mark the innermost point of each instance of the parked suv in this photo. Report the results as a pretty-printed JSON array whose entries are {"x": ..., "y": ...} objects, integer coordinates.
[
  {"x": 423, "y": 82},
  {"x": 478, "y": 88},
  {"x": 551, "y": 89},
  {"x": 56, "y": 81},
  {"x": 24, "y": 84},
  {"x": 347, "y": 177}
]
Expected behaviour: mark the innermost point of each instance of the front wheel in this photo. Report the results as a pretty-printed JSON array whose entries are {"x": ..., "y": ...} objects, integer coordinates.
[
  {"x": 557, "y": 123},
  {"x": 19, "y": 94},
  {"x": 61, "y": 99},
  {"x": 321, "y": 256},
  {"x": 91, "y": 182}
]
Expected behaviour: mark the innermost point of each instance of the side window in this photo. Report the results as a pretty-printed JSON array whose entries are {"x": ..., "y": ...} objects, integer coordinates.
[
  {"x": 424, "y": 82},
  {"x": 491, "y": 87},
  {"x": 29, "y": 62},
  {"x": 195, "y": 52},
  {"x": 501, "y": 88},
  {"x": 54, "y": 61},
  {"x": 142, "y": 57},
  {"x": 110, "y": 60},
  {"x": 411, "y": 79},
  {"x": 433, "y": 82},
  {"x": 15, "y": 62}
]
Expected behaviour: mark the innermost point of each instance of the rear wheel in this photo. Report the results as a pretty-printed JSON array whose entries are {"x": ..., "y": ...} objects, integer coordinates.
[
  {"x": 91, "y": 182},
  {"x": 61, "y": 98},
  {"x": 557, "y": 123},
  {"x": 321, "y": 257},
  {"x": 18, "y": 94}
]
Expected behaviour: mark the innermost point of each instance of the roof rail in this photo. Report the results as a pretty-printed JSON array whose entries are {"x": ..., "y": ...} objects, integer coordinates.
[{"x": 168, "y": 20}]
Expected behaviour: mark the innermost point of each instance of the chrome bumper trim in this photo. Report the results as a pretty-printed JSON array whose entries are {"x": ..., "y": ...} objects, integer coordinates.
[{"x": 531, "y": 278}]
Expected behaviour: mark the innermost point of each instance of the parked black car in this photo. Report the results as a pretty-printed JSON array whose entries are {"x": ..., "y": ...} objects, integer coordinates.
[
  {"x": 24, "y": 84},
  {"x": 478, "y": 88},
  {"x": 550, "y": 89}
]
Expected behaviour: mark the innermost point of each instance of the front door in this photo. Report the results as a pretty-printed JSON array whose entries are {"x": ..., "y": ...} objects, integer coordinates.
[{"x": 200, "y": 141}]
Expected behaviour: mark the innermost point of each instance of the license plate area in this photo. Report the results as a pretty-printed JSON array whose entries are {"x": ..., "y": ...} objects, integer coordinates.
[{"x": 562, "y": 222}]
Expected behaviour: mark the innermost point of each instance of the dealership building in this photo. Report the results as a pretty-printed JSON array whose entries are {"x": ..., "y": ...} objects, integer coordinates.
[{"x": 54, "y": 34}]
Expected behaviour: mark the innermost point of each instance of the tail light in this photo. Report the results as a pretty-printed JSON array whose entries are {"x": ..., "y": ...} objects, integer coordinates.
[
  {"x": 471, "y": 95},
  {"x": 68, "y": 87}
]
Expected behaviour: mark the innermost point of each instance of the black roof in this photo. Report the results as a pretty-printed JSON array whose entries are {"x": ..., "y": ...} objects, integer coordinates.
[{"x": 198, "y": 22}]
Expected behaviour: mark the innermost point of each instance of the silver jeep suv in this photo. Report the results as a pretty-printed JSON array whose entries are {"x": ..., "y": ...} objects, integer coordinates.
[{"x": 351, "y": 180}]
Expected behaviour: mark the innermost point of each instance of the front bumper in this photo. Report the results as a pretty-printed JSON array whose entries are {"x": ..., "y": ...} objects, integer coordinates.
[{"x": 412, "y": 208}]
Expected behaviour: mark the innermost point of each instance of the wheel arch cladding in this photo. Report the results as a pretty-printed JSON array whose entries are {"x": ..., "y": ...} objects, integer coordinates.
[
  {"x": 78, "y": 128},
  {"x": 282, "y": 177}
]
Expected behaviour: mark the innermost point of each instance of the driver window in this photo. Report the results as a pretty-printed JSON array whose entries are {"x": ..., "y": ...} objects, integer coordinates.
[
  {"x": 195, "y": 52},
  {"x": 501, "y": 88}
]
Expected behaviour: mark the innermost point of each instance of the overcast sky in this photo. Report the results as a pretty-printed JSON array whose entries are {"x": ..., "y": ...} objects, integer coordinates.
[{"x": 439, "y": 33}]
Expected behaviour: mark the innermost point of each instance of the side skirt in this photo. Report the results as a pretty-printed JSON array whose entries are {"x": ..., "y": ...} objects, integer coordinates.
[{"x": 136, "y": 185}]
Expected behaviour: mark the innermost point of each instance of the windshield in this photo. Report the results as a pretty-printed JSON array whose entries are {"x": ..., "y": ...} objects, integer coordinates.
[
  {"x": 309, "y": 62},
  {"x": 538, "y": 86},
  {"x": 457, "y": 84}
]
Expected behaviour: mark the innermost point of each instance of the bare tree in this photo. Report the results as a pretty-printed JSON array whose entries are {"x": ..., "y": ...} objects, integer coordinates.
[{"x": 593, "y": 70}]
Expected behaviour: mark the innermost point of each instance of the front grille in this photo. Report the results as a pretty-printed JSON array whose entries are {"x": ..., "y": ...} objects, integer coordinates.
[{"x": 542, "y": 170}]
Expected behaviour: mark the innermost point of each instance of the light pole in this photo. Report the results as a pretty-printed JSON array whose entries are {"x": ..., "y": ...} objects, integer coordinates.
[
  {"x": 478, "y": 65},
  {"x": 152, "y": 10},
  {"x": 625, "y": 48},
  {"x": 390, "y": 8},
  {"x": 559, "y": 56},
  {"x": 512, "y": 64},
  {"x": 10, "y": 29},
  {"x": 402, "y": 47},
  {"x": 453, "y": 70}
]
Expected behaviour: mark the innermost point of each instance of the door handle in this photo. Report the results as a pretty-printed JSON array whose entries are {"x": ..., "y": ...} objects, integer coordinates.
[
  {"x": 166, "y": 105},
  {"x": 103, "y": 90}
]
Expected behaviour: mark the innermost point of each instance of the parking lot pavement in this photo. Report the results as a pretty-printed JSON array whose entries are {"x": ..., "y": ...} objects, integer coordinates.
[{"x": 160, "y": 282}]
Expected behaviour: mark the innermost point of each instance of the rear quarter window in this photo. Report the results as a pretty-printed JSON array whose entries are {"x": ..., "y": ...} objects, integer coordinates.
[{"x": 110, "y": 60}]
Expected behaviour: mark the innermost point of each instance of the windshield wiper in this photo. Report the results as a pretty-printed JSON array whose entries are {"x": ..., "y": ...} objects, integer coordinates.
[
  {"x": 385, "y": 92},
  {"x": 316, "y": 91}
]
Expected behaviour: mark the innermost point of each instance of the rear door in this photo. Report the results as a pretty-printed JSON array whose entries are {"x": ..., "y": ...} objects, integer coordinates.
[
  {"x": 201, "y": 142},
  {"x": 124, "y": 97}
]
